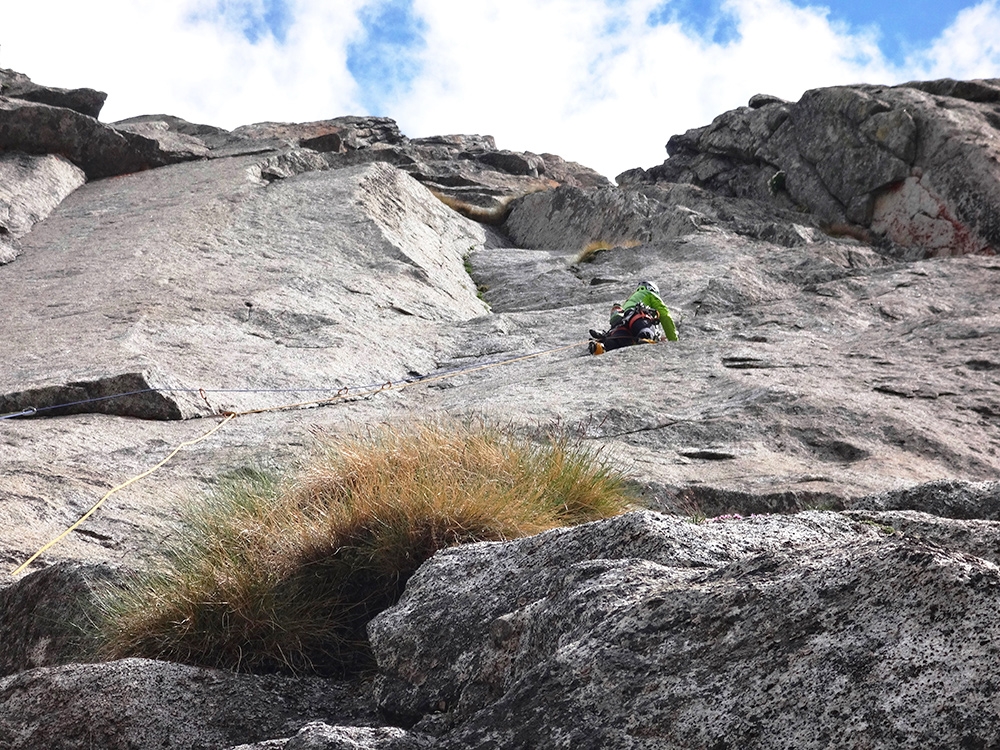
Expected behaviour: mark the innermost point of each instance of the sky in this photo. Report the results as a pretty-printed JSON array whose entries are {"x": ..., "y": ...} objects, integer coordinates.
[{"x": 601, "y": 82}]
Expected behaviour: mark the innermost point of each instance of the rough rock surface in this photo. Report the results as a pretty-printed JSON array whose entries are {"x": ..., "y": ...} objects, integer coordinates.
[
  {"x": 44, "y": 616},
  {"x": 136, "y": 703},
  {"x": 216, "y": 293},
  {"x": 320, "y": 736},
  {"x": 18, "y": 86},
  {"x": 916, "y": 163},
  {"x": 946, "y": 498},
  {"x": 98, "y": 149},
  {"x": 30, "y": 188},
  {"x": 651, "y": 632},
  {"x": 278, "y": 264}
]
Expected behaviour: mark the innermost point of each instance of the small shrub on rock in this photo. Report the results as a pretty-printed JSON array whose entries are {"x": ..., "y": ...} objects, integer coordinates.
[{"x": 272, "y": 575}]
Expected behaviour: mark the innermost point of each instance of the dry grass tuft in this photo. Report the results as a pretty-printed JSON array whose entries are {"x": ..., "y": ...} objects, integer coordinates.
[
  {"x": 591, "y": 250},
  {"x": 493, "y": 216},
  {"x": 497, "y": 214},
  {"x": 284, "y": 576}
]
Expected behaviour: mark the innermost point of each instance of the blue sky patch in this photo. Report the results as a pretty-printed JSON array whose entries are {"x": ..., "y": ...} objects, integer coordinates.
[
  {"x": 385, "y": 60},
  {"x": 904, "y": 26},
  {"x": 256, "y": 19},
  {"x": 706, "y": 19}
]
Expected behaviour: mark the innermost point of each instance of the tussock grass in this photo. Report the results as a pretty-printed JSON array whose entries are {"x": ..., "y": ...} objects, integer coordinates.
[
  {"x": 591, "y": 250},
  {"x": 498, "y": 213},
  {"x": 273, "y": 575},
  {"x": 494, "y": 216}
]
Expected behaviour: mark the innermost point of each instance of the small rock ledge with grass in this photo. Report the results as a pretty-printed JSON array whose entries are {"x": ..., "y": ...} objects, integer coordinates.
[{"x": 782, "y": 530}]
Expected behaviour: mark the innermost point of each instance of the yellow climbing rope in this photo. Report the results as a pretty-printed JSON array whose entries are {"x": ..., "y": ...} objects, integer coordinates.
[
  {"x": 229, "y": 416},
  {"x": 113, "y": 490}
]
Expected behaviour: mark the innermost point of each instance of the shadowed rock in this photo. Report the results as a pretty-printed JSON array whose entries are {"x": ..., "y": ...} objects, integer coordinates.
[
  {"x": 944, "y": 498},
  {"x": 134, "y": 394},
  {"x": 99, "y": 150},
  {"x": 144, "y": 703},
  {"x": 45, "y": 617},
  {"x": 18, "y": 86}
]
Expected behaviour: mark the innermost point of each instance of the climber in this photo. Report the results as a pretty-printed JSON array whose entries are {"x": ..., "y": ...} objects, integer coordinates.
[{"x": 642, "y": 318}]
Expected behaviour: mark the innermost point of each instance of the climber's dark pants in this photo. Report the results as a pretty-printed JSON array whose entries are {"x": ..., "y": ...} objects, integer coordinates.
[{"x": 630, "y": 332}]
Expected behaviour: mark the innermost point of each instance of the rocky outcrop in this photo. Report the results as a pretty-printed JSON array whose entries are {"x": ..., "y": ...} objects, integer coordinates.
[
  {"x": 917, "y": 164},
  {"x": 98, "y": 149},
  {"x": 30, "y": 188},
  {"x": 651, "y": 632},
  {"x": 944, "y": 498},
  {"x": 571, "y": 218},
  {"x": 467, "y": 170},
  {"x": 44, "y": 617},
  {"x": 143, "y": 703},
  {"x": 374, "y": 259},
  {"x": 320, "y": 736},
  {"x": 305, "y": 276},
  {"x": 16, "y": 85}
]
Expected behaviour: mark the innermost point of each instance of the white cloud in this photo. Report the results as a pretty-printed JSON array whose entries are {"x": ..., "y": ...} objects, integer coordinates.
[
  {"x": 548, "y": 75},
  {"x": 969, "y": 48},
  {"x": 586, "y": 79},
  {"x": 181, "y": 58}
]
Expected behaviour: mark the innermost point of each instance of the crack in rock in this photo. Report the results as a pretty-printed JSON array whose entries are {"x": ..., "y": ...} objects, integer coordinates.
[{"x": 131, "y": 394}]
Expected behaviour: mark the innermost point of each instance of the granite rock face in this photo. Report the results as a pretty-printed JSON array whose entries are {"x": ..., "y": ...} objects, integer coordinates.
[
  {"x": 30, "y": 188},
  {"x": 916, "y": 164},
  {"x": 98, "y": 149},
  {"x": 143, "y": 703},
  {"x": 818, "y": 451},
  {"x": 648, "y": 632},
  {"x": 16, "y": 85},
  {"x": 44, "y": 617}
]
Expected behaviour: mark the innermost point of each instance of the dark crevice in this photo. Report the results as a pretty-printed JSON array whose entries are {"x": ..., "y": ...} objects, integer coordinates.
[{"x": 126, "y": 395}]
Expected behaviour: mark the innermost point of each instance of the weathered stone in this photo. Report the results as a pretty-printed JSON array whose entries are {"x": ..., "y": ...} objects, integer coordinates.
[
  {"x": 573, "y": 174},
  {"x": 783, "y": 636},
  {"x": 291, "y": 162},
  {"x": 762, "y": 100},
  {"x": 448, "y": 146},
  {"x": 972, "y": 537},
  {"x": 376, "y": 254},
  {"x": 894, "y": 130},
  {"x": 513, "y": 163},
  {"x": 30, "y": 188},
  {"x": 947, "y": 498},
  {"x": 18, "y": 86},
  {"x": 45, "y": 617},
  {"x": 133, "y": 394},
  {"x": 143, "y": 703},
  {"x": 100, "y": 150},
  {"x": 912, "y": 214},
  {"x": 846, "y": 150},
  {"x": 175, "y": 145},
  {"x": 354, "y": 132},
  {"x": 324, "y": 143},
  {"x": 571, "y": 219},
  {"x": 319, "y": 736},
  {"x": 9, "y": 249},
  {"x": 986, "y": 91},
  {"x": 827, "y": 124},
  {"x": 814, "y": 369}
]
